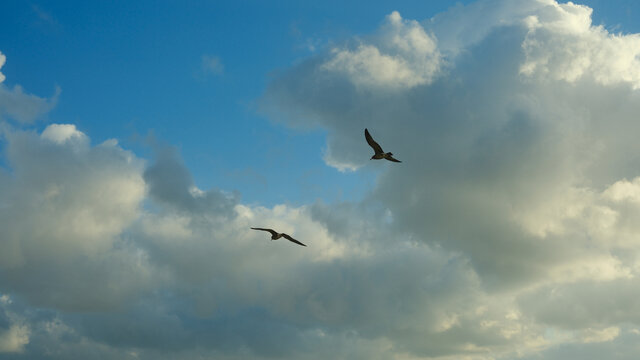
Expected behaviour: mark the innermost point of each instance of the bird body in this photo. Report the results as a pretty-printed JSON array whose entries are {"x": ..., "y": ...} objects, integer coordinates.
[
  {"x": 276, "y": 235},
  {"x": 379, "y": 153}
]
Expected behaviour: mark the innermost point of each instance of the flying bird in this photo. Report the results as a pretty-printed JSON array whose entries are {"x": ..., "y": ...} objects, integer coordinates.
[
  {"x": 276, "y": 235},
  {"x": 379, "y": 153}
]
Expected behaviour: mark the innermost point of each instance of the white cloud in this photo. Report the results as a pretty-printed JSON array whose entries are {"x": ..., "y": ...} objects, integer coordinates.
[
  {"x": 61, "y": 133},
  {"x": 338, "y": 164},
  {"x": 561, "y": 43},
  {"x": 403, "y": 55}
]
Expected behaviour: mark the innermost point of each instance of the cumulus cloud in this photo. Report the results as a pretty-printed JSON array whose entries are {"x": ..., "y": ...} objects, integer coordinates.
[
  {"x": 65, "y": 205},
  {"x": 510, "y": 159},
  {"x": 78, "y": 238},
  {"x": 403, "y": 55},
  {"x": 581, "y": 49},
  {"x": 508, "y": 230},
  {"x": 516, "y": 156},
  {"x": 185, "y": 275},
  {"x": 61, "y": 133}
]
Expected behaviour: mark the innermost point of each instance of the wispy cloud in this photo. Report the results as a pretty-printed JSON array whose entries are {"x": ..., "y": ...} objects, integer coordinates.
[
  {"x": 212, "y": 65},
  {"x": 45, "y": 18}
]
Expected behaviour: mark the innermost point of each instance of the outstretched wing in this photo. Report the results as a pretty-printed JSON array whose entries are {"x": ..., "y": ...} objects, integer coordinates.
[
  {"x": 376, "y": 147},
  {"x": 292, "y": 239},
  {"x": 273, "y": 232},
  {"x": 391, "y": 158}
]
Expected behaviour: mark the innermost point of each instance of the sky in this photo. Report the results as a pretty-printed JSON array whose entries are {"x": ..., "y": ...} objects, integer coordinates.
[{"x": 140, "y": 141}]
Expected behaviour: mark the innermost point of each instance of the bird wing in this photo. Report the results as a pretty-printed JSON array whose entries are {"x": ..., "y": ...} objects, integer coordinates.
[
  {"x": 292, "y": 239},
  {"x": 376, "y": 147},
  {"x": 390, "y": 158},
  {"x": 273, "y": 232}
]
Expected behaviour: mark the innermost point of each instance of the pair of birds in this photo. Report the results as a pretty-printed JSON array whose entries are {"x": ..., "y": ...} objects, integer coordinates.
[{"x": 379, "y": 154}]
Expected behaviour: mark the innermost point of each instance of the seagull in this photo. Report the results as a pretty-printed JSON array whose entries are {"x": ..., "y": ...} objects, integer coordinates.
[
  {"x": 276, "y": 235},
  {"x": 380, "y": 154}
]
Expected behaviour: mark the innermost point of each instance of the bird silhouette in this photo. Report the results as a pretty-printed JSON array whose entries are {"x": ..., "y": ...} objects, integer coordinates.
[
  {"x": 379, "y": 153},
  {"x": 276, "y": 235}
]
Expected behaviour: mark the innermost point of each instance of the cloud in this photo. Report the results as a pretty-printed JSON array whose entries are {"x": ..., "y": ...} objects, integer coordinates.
[
  {"x": 581, "y": 50},
  {"x": 45, "y": 17},
  {"x": 185, "y": 274},
  {"x": 14, "y": 339},
  {"x": 3, "y": 59},
  {"x": 64, "y": 208},
  {"x": 14, "y": 333},
  {"x": 508, "y": 230},
  {"x": 496, "y": 158},
  {"x": 62, "y": 133},
  {"x": 170, "y": 182},
  {"x": 23, "y": 107},
  {"x": 403, "y": 55},
  {"x": 515, "y": 155},
  {"x": 212, "y": 65}
]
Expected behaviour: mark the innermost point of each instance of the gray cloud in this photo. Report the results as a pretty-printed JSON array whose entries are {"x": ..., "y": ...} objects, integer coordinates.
[
  {"x": 23, "y": 107},
  {"x": 20, "y": 106},
  {"x": 170, "y": 182},
  {"x": 3, "y": 59},
  {"x": 585, "y": 304},
  {"x": 623, "y": 347}
]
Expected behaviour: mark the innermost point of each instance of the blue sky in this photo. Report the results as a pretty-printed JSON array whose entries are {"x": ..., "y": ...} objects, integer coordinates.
[{"x": 508, "y": 231}]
